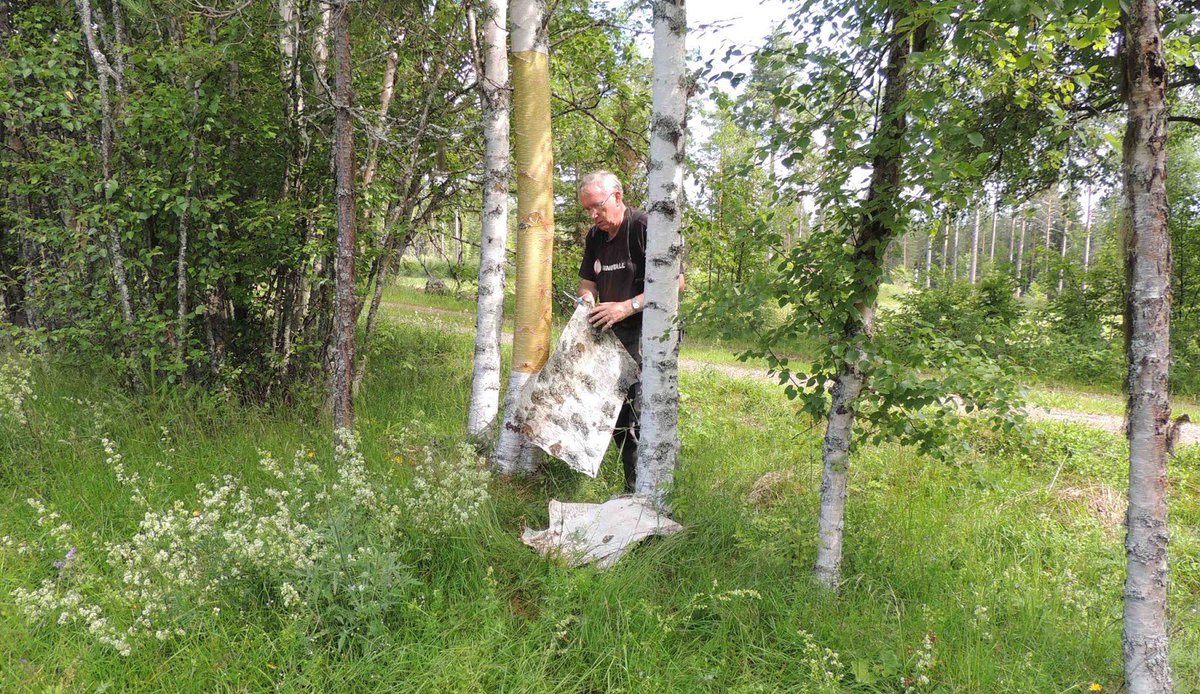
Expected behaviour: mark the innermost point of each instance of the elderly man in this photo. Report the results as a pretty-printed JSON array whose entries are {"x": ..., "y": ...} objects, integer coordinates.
[{"x": 612, "y": 275}]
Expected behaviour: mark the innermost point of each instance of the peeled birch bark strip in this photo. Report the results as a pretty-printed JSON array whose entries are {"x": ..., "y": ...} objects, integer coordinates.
[{"x": 572, "y": 404}]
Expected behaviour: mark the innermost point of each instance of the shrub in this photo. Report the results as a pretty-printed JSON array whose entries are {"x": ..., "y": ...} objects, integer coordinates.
[{"x": 323, "y": 547}]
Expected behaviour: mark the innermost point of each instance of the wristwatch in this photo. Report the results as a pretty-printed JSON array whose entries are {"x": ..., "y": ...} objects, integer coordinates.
[{"x": 637, "y": 305}]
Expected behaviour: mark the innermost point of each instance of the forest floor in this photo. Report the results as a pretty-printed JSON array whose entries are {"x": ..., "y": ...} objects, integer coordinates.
[{"x": 1097, "y": 410}]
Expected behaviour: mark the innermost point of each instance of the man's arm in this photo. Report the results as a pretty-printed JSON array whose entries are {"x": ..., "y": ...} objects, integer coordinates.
[
  {"x": 606, "y": 314},
  {"x": 587, "y": 288}
]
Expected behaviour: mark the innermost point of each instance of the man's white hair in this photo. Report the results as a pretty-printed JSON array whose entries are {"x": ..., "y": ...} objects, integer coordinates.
[{"x": 605, "y": 179}]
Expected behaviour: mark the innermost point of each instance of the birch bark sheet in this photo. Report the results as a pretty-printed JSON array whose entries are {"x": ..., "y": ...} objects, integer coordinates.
[{"x": 569, "y": 408}]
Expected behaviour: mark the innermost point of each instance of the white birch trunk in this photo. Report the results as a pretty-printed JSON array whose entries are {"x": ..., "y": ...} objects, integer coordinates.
[
  {"x": 1046, "y": 247},
  {"x": 992, "y": 246},
  {"x": 1148, "y": 351},
  {"x": 929, "y": 262},
  {"x": 975, "y": 245},
  {"x": 320, "y": 46},
  {"x": 658, "y": 449},
  {"x": 1021, "y": 252},
  {"x": 954, "y": 258},
  {"x": 870, "y": 243},
  {"x": 1087, "y": 236},
  {"x": 945, "y": 243},
  {"x": 1062, "y": 251},
  {"x": 1012, "y": 238},
  {"x": 104, "y": 71},
  {"x": 489, "y": 316}
]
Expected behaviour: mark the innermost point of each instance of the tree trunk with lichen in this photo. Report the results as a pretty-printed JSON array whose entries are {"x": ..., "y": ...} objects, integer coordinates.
[
  {"x": 658, "y": 450},
  {"x": 1147, "y": 350},
  {"x": 344, "y": 303},
  {"x": 881, "y": 222},
  {"x": 489, "y": 317}
]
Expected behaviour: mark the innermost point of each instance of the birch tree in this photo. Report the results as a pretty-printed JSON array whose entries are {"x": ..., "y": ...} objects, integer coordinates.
[
  {"x": 1148, "y": 349},
  {"x": 1087, "y": 236},
  {"x": 535, "y": 215},
  {"x": 489, "y": 316},
  {"x": 659, "y": 447},
  {"x": 1021, "y": 251},
  {"x": 975, "y": 244},
  {"x": 880, "y": 222},
  {"x": 108, "y": 124}
]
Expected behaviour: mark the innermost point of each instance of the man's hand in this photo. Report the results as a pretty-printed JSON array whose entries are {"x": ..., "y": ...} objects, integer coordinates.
[{"x": 608, "y": 313}]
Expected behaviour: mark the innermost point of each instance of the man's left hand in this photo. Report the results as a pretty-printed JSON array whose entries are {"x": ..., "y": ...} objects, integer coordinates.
[{"x": 608, "y": 313}]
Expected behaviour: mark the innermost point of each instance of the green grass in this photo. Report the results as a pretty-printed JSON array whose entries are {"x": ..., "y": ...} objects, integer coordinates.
[
  {"x": 1005, "y": 564},
  {"x": 1100, "y": 401}
]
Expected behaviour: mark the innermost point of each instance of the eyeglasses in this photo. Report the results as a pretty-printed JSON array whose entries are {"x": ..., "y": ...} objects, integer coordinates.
[{"x": 600, "y": 205}]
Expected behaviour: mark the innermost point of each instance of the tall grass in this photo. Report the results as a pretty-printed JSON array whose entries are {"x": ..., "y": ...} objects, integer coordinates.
[{"x": 999, "y": 572}]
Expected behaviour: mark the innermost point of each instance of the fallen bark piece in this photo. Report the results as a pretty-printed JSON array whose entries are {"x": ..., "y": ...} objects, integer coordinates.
[
  {"x": 600, "y": 533},
  {"x": 571, "y": 406}
]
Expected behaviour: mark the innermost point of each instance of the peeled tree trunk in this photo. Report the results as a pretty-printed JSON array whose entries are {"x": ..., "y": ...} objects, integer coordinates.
[
  {"x": 658, "y": 450},
  {"x": 344, "y": 303},
  {"x": 1147, "y": 350},
  {"x": 535, "y": 216},
  {"x": 880, "y": 223},
  {"x": 489, "y": 316}
]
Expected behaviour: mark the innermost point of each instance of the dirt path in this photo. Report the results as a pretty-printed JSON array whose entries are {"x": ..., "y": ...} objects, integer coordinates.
[{"x": 1190, "y": 435}]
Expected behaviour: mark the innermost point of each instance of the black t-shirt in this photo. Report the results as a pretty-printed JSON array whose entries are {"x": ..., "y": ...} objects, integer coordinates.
[{"x": 618, "y": 267}]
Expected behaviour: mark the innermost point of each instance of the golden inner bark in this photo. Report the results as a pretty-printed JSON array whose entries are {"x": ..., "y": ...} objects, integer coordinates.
[{"x": 534, "y": 159}]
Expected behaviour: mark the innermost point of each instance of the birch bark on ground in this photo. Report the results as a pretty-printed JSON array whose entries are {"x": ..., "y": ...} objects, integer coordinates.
[
  {"x": 534, "y": 152},
  {"x": 879, "y": 224},
  {"x": 489, "y": 315},
  {"x": 1148, "y": 350},
  {"x": 658, "y": 449},
  {"x": 344, "y": 302}
]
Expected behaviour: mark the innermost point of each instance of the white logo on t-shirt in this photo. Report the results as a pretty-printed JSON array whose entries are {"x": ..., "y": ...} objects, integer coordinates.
[{"x": 597, "y": 267}]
